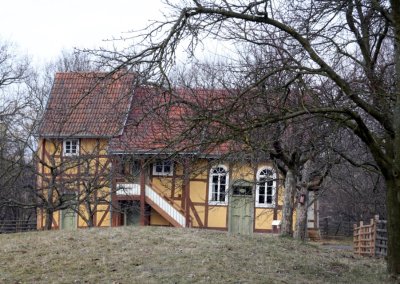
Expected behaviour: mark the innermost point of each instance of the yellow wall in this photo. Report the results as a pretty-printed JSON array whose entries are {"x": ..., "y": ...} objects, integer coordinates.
[
  {"x": 157, "y": 220},
  {"x": 101, "y": 210},
  {"x": 217, "y": 216},
  {"x": 163, "y": 184},
  {"x": 242, "y": 171},
  {"x": 199, "y": 170},
  {"x": 198, "y": 191},
  {"x": 69, "y": 166},
  {"x": 263, "y": 218},
  {"x": 201, "y": 211}
]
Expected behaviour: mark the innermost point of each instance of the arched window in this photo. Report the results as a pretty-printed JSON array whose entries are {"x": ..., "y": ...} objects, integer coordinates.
[
  {"x": 218, "y": 185},
  {"x": 266, "y": 188}
]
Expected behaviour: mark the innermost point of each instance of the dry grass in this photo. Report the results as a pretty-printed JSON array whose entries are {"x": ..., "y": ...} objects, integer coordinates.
[{"x": 169, "y": 255}]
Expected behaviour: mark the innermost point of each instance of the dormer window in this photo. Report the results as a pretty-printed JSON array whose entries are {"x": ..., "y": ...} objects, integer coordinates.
[
  {"x": 71, "y": 147},
  {"x": 163, "y": 168}
]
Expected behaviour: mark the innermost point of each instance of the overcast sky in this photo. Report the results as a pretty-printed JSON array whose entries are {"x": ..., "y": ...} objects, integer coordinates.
[{"x": 42, "y": 28}]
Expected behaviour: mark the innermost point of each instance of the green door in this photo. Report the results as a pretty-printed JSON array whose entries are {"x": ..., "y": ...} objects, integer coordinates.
[
  {"x": 241, "y": 214},
  {"x": 68, "y": 218}
]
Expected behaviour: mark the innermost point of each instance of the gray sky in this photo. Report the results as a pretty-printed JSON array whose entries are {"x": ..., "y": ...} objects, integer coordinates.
[{"x": 42, "y": 28}]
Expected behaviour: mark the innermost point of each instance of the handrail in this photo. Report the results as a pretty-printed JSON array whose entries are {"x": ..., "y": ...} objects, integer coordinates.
[
  {"x": 164, "y": 205},
  {"x": 157, "y": 195},
  {"x": 171, "y": 201}
]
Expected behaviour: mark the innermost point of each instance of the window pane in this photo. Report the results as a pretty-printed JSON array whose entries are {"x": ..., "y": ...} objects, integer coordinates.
[
  {"x": 261, "y": 189},
  {"x": 222, "y": 188},
  {"x": 261, "y": 198},
  {"x": 214, "y": 195},
  {"x": 159, "y": 168},
  {"x": 167, "y": 168},
  {"x": 215, "y": 179},
  {"x": 223, "y": 179},
  {"x": 215, "y": 187},
  {"x": 269, "y": 199},
  {"x": 68, "y": 147},
  {"x": 221, "y": 196},
  {"x": 74, "y": 146}
]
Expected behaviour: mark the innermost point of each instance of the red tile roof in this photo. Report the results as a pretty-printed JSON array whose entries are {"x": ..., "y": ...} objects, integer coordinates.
[
  {"x": 156, "y": 125},
  {"x": 88, "y": 104},
  {"x": 138, "y": 119}
]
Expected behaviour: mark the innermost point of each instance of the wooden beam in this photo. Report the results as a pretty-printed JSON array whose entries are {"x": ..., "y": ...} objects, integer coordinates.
[
  {"x": 142, "y": 193},
  {"x": 186, "y": 185}
]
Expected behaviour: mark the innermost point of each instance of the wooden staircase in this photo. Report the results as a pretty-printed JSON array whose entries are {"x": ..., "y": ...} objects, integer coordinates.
[
  {"x": 169, "y": 210},
  {"x": 161, "y": 203}
]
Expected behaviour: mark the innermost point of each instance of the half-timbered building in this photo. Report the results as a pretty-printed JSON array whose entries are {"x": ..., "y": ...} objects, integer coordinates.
[{"x": 106, "y": 158}]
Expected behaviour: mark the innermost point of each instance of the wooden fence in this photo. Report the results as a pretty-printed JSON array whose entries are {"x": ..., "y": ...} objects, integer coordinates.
[{"x": 370, "y": 239}]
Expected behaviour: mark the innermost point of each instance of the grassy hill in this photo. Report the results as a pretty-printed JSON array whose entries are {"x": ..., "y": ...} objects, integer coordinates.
[{"x": 169, "y": 255}]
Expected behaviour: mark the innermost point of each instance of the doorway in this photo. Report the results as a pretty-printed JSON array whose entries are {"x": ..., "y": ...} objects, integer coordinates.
[
  {"x": 130, "y": 212},
  {"x": 241, "y": 209}
]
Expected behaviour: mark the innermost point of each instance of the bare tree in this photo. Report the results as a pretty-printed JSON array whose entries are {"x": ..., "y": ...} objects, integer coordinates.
[
  {"x": 350, "y": 46},
  {"x": 23, "y": 98}
]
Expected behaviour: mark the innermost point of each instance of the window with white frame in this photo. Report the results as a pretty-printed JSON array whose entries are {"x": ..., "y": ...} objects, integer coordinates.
[
  {"x": 266, "y": 188},
  {"x": 163, "y": 168},
  {"x": 218, "y": 185},
  {"x": 71, "y": 147}
]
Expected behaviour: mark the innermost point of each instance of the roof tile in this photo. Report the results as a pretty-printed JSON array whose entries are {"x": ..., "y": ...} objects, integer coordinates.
[{"x": 87, "y": 104}]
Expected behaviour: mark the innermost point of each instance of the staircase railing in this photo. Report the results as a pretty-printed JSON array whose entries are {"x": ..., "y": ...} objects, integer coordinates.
[
  {"x": 164, "y": 205},
  {"x": 175, "y": 214}
]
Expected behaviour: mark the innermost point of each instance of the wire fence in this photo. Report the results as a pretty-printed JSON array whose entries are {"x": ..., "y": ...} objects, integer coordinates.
[
  {"x": 330, "y": 227},
  {"x": 15, "y": 226}
]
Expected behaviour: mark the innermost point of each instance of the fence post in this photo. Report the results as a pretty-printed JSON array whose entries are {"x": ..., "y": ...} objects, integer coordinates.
[
  {"x": 372, "y": 233},
  {"x": 355, "y": 238},
  {"x": 376, "y": 222}
]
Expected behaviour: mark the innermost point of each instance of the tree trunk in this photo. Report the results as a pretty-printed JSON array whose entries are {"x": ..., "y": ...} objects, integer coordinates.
[
  {"x": 288, "y": 204},
  {"x": 90, "y": 212},
  {"x": 300, "y": 232},
  {"x": 49, "y": 219},
  {"x": 393, "y": 225},
  {"x": 90, "y": 222},
  {"x": 392, "y": 175}
]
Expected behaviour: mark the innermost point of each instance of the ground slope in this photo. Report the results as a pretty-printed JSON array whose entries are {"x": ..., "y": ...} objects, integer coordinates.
[{"x": 170, "y": 255}]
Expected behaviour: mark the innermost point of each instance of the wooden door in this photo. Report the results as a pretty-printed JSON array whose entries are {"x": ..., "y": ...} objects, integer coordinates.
[{"x": 241, "y": 214}]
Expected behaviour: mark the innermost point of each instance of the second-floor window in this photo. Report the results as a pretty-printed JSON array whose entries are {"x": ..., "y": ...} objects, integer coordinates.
[
  {"x": 71, "y": 147},
  {"x": 163, "y": 168}
]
